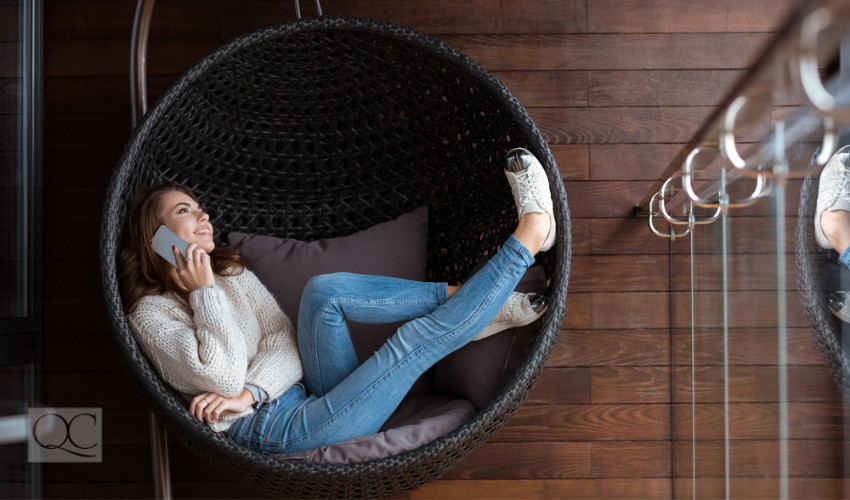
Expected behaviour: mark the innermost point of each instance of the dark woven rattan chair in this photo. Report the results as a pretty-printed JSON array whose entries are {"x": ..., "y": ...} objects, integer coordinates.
[
  {"x": 818, "y": 274},
  {"x": 319, "y": 128}
]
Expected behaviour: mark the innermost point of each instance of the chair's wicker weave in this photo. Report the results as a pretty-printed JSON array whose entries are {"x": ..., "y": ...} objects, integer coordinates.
[
  {"x": 817, "y": 276},
  {"x": 320, "y": 128}
]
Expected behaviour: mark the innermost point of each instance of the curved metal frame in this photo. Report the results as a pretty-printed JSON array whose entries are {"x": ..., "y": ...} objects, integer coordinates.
[
  {"x": 816, "y": 94},
  {"x": 729, "y": 148},
  {"x": 830, "y": 141},
  {"x": 138, "y": 59},
  {"x": 813, "y": 88},
  {"x": 692, "y": 220},
  {"x": 723, "y": 201},
  {"x": 138, "y": 108},
  {"x": 298, "y": 8},
  {"x": 792, "y": 61},
  {"x": 672, "y": 234},
  {"x": 687, "y": 174},
  {"x": 727, "y": 138}
]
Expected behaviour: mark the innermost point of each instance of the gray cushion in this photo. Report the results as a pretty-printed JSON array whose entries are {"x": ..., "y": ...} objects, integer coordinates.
[
  {"x": 395, "y": 248},
  {"x": 420, "y": 419}
]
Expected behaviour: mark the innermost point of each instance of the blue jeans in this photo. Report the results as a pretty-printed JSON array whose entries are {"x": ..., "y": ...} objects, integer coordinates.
[{"x": 341, "y": 399}]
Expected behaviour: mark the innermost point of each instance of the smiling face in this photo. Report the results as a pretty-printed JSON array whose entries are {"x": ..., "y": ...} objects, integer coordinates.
[{"x": 182, "y": 214}]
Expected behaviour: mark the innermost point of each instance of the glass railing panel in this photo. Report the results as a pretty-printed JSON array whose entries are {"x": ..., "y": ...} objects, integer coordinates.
[
  {"x": 698, "y": 383},
  {"x": 20, "y": 266},
  {"x": 735, "y": 316},
  {"x": 761, "y": 371}
]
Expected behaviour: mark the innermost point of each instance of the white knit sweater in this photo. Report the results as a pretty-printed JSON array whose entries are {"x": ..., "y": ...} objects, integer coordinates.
[{"x": 227, "y": 337}]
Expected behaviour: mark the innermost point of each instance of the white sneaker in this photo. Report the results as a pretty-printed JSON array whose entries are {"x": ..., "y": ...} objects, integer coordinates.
[
  {"x": 530, "y": 188},
  {"x": 833, "y": 190},
  {"x": 519, "y": 310},
  {"x": 839, "y": 304}
]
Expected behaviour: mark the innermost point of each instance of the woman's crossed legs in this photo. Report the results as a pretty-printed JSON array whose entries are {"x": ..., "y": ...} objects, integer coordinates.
[{"x": 344, "y": 399}]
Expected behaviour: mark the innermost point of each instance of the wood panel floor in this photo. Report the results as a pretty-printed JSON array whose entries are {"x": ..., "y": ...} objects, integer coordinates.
[{"x": 616, "y": 87}]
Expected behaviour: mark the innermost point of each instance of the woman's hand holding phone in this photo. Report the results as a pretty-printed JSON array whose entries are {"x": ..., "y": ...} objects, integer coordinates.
[{"x": 194, "y": 269}]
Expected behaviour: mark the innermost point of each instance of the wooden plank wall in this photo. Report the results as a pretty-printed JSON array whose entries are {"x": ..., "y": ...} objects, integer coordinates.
[{"x": 616, "y": 86}]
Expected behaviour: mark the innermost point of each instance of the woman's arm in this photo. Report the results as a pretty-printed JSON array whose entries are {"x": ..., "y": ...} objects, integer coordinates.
[{"x": 193, "y": 352}]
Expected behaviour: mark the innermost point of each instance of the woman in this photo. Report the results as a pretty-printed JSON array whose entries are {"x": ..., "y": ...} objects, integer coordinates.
[
  {"x": 215, "y": 333},
  {"x": 832, "y": 221}
]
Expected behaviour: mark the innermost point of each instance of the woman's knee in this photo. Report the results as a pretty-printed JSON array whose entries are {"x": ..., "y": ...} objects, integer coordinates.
[{"x": 325, "y": 286}]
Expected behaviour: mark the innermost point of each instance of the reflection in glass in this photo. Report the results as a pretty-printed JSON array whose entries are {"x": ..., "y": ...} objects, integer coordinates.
[{"x": 20, "y": 311}]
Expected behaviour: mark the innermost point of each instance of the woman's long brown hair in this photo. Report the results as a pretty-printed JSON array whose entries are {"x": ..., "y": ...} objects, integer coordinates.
[{"x": 140, "y": 270}]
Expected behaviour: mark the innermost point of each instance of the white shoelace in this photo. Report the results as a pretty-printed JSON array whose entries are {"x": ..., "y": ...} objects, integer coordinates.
[
  {"x": 509, "y": 310},
  {"x": 527, "y": 187}
]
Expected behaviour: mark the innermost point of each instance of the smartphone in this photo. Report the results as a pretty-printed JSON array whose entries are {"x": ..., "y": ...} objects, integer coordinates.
[{"x": 162, "y": 242}]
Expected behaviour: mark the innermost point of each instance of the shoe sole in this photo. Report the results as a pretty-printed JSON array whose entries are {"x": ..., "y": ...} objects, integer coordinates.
[{"x": 494, "y": 329}]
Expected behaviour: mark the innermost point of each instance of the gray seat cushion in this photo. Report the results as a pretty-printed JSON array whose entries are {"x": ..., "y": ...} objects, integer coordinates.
[{"x": 420, "y": 419}]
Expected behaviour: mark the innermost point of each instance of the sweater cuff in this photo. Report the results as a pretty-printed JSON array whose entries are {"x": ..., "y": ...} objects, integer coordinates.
[
  {"x": 207, "y": 301},
  {"x": 259, "y": 394},
  {"x": 203, "y": 288}
]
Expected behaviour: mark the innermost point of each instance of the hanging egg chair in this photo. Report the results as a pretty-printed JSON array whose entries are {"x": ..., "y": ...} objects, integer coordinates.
[
  {"x": 818, "y": 275},
  {"x": 319, "y": 128}
]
